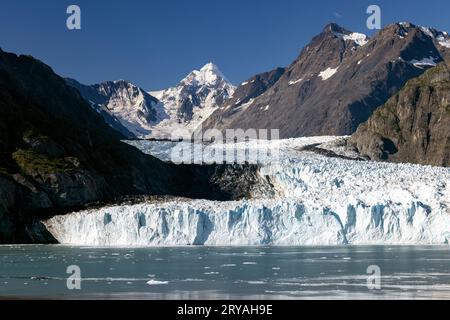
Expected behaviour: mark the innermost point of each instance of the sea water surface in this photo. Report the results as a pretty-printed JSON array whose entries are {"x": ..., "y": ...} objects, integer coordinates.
[{"x": 226, "y": 273}]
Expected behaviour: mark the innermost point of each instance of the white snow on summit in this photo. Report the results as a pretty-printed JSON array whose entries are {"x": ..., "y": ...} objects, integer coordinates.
[{"x": 192, "y": 101}]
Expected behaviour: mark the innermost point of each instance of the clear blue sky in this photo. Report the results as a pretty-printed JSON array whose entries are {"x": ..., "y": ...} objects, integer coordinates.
[{"x": 155, "y": 43}]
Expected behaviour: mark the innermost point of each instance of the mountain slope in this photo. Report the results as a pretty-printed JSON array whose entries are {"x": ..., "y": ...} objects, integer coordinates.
[
  {"x": 56, "y": 152},
  {"x": 414, "y": 125},
  {"x": 245, "y": 93},
  {"x": 91, "y": 94},
  {"x": 336, "y": 83},
  {"x": 124, "y": 106}
]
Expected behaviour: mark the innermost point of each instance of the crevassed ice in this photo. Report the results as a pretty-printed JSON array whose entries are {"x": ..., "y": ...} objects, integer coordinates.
[
  {"x": 252, "y": 223},
  {"x": 319, "y": 201}
]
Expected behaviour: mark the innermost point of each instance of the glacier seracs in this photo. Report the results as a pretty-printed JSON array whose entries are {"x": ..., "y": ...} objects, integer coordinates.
[{"x": 319, "y": 201}]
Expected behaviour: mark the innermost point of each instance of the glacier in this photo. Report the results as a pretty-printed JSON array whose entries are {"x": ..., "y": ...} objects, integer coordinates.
[{"x": 317, "y": 201}]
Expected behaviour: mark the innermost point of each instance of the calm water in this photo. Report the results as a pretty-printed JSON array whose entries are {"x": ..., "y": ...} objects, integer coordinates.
[{"x": 223, "y": 273}]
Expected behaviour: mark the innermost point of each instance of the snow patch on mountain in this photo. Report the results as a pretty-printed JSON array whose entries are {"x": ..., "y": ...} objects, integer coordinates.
[
  {"x": 441, "y": 37},
  {"x": 293, "y": 82},
  {"x": 359, "y": 38},
  {"x": 328, "y": 73},
  {"x": 425, "y": 62}
]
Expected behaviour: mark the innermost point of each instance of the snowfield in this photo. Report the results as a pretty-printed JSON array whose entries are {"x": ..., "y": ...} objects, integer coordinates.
[{"x": 319, "y": 201}]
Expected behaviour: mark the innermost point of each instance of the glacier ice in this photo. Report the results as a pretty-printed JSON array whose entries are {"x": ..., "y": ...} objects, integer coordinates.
[
  {"x": 252, "y": 223},
  {"x": 319, "y": 201}
]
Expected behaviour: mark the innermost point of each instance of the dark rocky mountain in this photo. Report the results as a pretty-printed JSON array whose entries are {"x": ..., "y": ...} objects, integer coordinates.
[
  {"x": 336, "y": 83},
  {"x": 250, "y": 89},
  {"x": 58, "y": 154},
  {"x": 414, "y": 125}
]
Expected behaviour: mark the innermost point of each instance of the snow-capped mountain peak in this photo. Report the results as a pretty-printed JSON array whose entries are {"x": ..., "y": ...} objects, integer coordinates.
[
  {"x": 211, "y": 67},
  {"x": 193, "y": 100},
  {"x": 208, "y": 75}
]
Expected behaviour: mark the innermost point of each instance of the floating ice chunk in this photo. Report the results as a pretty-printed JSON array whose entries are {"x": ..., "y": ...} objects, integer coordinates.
[{"x": 156, "y": 282}]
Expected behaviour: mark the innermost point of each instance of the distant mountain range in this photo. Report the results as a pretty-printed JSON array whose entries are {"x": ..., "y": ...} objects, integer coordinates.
[
  {"x": 138, "y": 114},
  {"x": 340, "y": 80},
  {"x": 336, "y": 83}
]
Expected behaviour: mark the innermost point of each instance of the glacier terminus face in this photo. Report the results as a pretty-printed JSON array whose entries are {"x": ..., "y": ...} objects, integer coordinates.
[{"x": 318, "y": 201}]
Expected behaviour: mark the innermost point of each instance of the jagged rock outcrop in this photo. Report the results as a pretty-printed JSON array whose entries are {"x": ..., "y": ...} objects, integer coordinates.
[{"x": 414, "y": 125}]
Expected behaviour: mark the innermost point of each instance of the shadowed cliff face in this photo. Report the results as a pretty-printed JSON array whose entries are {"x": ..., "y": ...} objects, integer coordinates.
[
  {"x": 57, "y": 153},
  {"x": 414, "y": 125}
]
